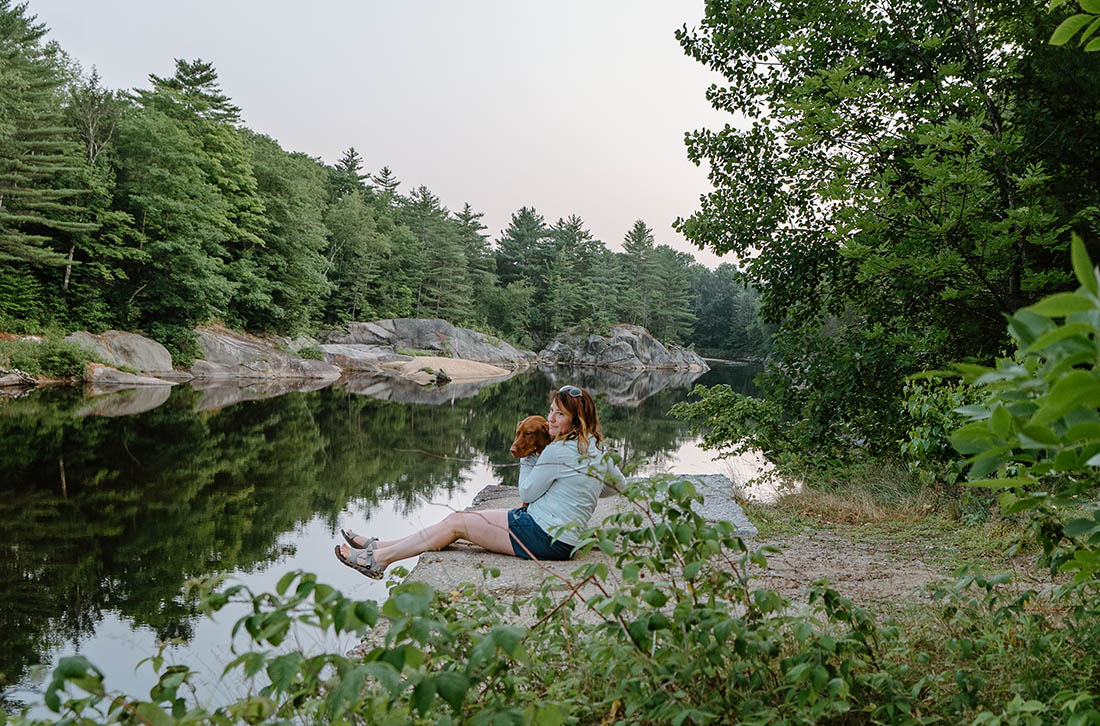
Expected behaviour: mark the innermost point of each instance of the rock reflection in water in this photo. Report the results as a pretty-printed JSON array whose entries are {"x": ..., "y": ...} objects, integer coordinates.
[
  {"x": 217, "y": 394},
  {"x": 400, "y": 390},
  {"x": 123, "y": 401},
  {"x": 619, "y": 387}
]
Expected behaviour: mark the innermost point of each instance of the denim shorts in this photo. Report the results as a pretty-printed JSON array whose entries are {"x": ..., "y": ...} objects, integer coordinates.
[{"x": 524, "y": 529}]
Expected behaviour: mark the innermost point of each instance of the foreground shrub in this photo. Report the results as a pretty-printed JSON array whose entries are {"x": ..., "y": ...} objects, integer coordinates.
[{"x": 683, "y": 638}]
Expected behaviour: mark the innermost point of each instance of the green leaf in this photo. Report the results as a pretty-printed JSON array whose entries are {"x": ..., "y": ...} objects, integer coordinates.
[
  {"x": 1088, "y": 34},
  {"x": 1060, "y": 333},
  {"x": 1090, "y": 6},
  {"x": 153, "y": 714},
  {"x": 74, "y": 666},
  {"x": 508, "y": 638},
  {"x": 1068, "y": 27},
  {"x": 1061, "y": 304},
  {"x": 1001, "y": 422},
  {"x": 283, "y": 669},
  {"x": 1076, "y": 388},
  {"x": 1093, "y": 46},
  {"x": 388, "y": 676},
  {"x": 549, "y": 715},
  {"x": 1041, "y": 435},
  {"x": 655, "y": 597},
  {"x": 423, "y": 695},
  {"x": 452, "y": 688},
  {"x": 973, "y": 438},
  {"x": 284, "y": 582},
  {"x": 1079, "y": 527},
  {"x": 1082, "y": 265}
]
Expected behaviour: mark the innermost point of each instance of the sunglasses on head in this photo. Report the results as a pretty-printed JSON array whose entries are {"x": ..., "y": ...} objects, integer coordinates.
[{"x": 573, "y": 391}]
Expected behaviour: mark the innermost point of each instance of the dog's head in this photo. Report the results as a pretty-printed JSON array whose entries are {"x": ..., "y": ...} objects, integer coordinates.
[{"x": 532, "y": 436}]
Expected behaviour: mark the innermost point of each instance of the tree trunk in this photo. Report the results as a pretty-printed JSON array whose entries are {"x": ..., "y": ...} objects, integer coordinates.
[{"x": 68, "y": 269}]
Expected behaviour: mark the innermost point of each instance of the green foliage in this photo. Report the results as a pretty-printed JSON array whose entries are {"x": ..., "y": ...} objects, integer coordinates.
[
  {"x": 931, "y": 408},
  {"x": 1037, "y": 429},
  {"x": 894, "y": 184},
  {"x": 181, "y": 342},
  {"x": 311, "y": 352},
  {"x": 38, "y": 212},
  {"x": 1087, "y": 22},
  {"x": 680, "y": 636},
  {"x": 51, "y": 356}
]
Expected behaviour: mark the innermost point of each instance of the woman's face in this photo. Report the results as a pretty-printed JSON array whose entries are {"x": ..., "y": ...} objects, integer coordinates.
[{"x": 561, "y": 422}]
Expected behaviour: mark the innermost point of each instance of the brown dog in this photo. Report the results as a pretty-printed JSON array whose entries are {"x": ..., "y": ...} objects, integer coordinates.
[{"x": 532, "y": 436}]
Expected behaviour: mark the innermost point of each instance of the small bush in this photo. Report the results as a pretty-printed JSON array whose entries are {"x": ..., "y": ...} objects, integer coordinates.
[
  {"x": 311, "y": 352},
  {"x": 181, "y": 342},
  {"x": 931, "y": 408}
]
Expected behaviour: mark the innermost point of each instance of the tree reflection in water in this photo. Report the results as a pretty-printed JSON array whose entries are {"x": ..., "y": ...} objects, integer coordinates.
[{"x": 104, "y": 512}]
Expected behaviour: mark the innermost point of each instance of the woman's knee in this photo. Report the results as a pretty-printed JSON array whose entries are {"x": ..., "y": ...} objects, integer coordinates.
[{"x": 457, "y": 523}]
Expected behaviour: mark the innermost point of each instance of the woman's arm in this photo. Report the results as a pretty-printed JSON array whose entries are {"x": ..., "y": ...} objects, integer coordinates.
[
  {"x": 613, "y": 480},
  {"x": 536, "y": 475}
]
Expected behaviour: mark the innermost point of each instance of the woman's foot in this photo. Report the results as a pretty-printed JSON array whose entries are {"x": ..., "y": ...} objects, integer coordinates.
[
  {"x": 361, "y": 561},
  {"x": 358, "y": 541}
]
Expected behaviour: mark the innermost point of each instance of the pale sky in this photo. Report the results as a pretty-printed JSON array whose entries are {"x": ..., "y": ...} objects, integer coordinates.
[{"x": 573, "y": 106}]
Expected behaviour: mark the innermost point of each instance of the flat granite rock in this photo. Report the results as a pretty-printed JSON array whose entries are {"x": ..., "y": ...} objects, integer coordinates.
[
  {"x": 461, "y": 562},
  {"x": 519, "y": 579}
]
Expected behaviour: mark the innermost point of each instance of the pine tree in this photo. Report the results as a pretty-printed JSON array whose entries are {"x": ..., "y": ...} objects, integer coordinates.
[
  {"x": 521, "y": 249},
  {"x": 642, "y": 268},
  {"x": 36, "y": 150},
  {"x": 671, "y": 315},
  {"x": 479, "y": 259},
  {"x": 192, "y": 91},
  {"x": 445, "y": 290},
  {"x": 347, "y": 175},
  {"x": 194, "y": 99},
  {"x": 387, "y": 184}
]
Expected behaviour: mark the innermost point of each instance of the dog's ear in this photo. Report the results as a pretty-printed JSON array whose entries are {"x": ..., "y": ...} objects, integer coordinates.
[{"x": 542, "y": 436}]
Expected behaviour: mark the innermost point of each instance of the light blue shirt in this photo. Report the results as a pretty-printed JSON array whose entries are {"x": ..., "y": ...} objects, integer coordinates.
[{"x": 561, "y": 486}]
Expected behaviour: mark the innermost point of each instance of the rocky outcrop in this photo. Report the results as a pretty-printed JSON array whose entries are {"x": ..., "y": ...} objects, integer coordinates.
[
  {"x": 126, "y": 350},
  {"x": 627, "y": 346},
  {"x": 362, "y": 358},
  {"x": 231, "y": 355},
  {"x": 106, "y": 379},
  {"x": 436, "y": 336}
]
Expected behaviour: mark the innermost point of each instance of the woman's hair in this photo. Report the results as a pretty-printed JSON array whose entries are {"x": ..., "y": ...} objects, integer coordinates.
[{"x": 586, "y": 423}]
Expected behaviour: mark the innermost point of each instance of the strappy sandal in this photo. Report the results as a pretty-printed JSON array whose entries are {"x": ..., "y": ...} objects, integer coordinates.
[
  {"x": 363, "y": 562},
  {"x": 350, "y": 536}
]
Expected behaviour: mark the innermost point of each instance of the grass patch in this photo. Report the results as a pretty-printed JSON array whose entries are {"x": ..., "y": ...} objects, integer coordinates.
[
  {"x": 888, "y": 507},
  {"x": 420, "y": 353}
]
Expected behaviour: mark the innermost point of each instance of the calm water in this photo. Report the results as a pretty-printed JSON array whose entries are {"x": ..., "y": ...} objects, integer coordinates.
[{"x": 110, "y": 504}]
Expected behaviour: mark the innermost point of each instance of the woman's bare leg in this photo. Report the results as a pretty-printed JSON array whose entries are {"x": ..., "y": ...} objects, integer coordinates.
[{"x": 487, "y": 528}]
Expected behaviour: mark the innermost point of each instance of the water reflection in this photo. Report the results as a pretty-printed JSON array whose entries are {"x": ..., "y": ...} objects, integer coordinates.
[
  {"x": 103, "y": 515},
  {"x": 619, "y": 387}
]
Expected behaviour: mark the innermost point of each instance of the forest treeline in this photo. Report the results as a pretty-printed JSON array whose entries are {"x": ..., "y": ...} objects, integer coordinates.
[{"x": 156, "y": 209}]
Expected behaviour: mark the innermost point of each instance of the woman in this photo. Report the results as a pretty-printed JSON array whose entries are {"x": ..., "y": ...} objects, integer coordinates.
[{"x": 560, "y": 487}]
